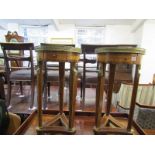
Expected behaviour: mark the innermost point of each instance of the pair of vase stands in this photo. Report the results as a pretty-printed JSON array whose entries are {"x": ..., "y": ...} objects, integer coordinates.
[{"x": 106, "y": 124}]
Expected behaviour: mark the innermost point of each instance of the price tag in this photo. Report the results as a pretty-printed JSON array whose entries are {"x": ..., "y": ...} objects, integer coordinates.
[{"x": 133, "y": 58}]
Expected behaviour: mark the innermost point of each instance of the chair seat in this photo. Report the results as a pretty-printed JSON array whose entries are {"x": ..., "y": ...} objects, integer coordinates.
[
  {"x": 53, "y": 75},
  {"x": 21, "y": 75},
  {"x": 146, "y": 118},
  {"x": 91, "y": 77}
]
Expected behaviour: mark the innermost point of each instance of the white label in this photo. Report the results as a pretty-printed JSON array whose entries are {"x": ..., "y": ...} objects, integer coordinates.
[{"x": 133, "y": 58}]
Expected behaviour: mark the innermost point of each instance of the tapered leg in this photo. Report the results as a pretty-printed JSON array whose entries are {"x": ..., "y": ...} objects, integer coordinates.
[
  {"x": 45, "y": 96},
  {"x": 133, "y": 100},
  {"x": 45, "y": 87},
  {"x": 61, "y": 85},
  {"x": 39, "y": 89},
  {"x": 9, "y": 95},
  {"x": 48, "y": 86},
  {"x": 72, "y": 96},
  {"x": 81, "y": 88},
  {"x": 99, "y": 94},
  {"x": 32, "y": 93},
  {"x": 21, "y": 87},
  {"x": 110, "y": 87},
  {"x": 83, "y": 85}
]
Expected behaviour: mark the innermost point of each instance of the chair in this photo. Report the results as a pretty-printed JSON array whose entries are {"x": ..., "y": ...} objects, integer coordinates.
[
  {"x": 122, "y": 99},
  {"x": 145, "y": 110},
  {"x": 52, "y": 73},
  {"x": 88, "y": 68},
  {"x": 145, "y": 99},
  {"x": 19, "y": 73},
  {"x": 15, "y": 38}
]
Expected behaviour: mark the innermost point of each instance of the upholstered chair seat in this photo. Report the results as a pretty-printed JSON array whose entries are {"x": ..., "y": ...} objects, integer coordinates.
[{"x": 21, "y": 75}]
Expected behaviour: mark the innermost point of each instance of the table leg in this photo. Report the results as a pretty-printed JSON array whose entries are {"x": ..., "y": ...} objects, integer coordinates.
[
  {"x": 45, "y": 86},
  {"x": 83, "y": 85},
  {"x": 99, "y": 94},
  {"x": 72, "y": 92},
  {"x": 61, "y": 85},
  {"x": 39, "y": 97},
  {"x": 110, "y": 87},
  {"x": 133, "y": 100}
]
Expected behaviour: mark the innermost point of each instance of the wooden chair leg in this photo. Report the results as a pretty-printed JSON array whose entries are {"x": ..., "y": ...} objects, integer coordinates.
[
  {"x": 48, "y": 86},
  {"x": 81, "y": 88},
  {"x": 32, "y": 93},
  {"x": 44, "y": 88},
  {"x": 21, "y": 87},
  {"x": 9, "y": 94},
  {"x": 45, "y": 96}
]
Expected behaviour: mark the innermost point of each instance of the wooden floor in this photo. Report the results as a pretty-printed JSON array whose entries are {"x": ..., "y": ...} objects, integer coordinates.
[
  {"x": 84, "y": 123},
  {"x": 21, "y": 104}
]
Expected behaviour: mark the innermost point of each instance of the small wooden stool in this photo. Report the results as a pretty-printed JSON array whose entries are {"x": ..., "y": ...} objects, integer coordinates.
[
  {"x": 59, "y": 54},
  {"x": 114, "y": 56}
]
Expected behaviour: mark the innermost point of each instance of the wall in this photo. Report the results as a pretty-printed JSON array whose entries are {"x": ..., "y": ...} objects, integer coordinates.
[
  {"x": 13, "y": 27},
  {"x": 65, "y": 31},
  {"x": 144, "y": 37},
  {"x": 114, "y": 34},
  {"x": 118, "y": 34},
  {"x": 138, "y": 36},
  {"x": 148, "y": 42}
]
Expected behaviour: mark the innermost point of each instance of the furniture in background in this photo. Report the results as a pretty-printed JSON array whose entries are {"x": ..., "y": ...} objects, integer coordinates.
[
  {"x": 145, "y": 116},
  {"x": 19, "y": 73},
  {"x": 60, "y": 54},
  {"x": 123, "y": 97},
  {"x": 114, "y": 56},
  {"x": 15, "y": 38},
  {"x": 88, "y": 68},
  {"x": 144, "y": 113}
]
